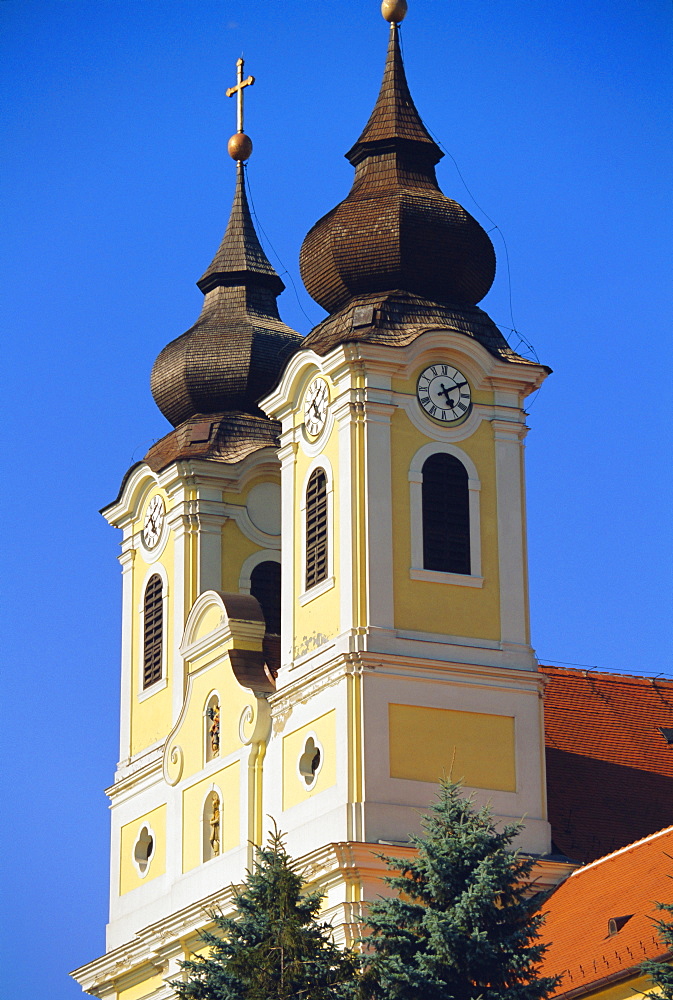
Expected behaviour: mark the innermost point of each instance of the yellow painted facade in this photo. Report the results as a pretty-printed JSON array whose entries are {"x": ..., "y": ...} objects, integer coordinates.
[
  {"x": 129, "y": 875},
  {"x": 428, "y": 744},
  {"x": 634, "y": 988},
  {"x": 142, "y": 989},
  {"x": 318, "y": 620},
  {"x": 226, "y": 782},
  {"x": 192, "y": 734},
  {"x": 236, "y": 548},
  {"x": 151, "y": 709},
  {"x": 295, "y": 789},
  {"x": 440, "y": 607}
]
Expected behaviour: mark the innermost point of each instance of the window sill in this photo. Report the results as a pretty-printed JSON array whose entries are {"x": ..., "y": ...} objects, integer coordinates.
[
  {"x": 455, "y": 579},
  {"x": 317, "y": 590},
  {"x": 152, "y": 689}
]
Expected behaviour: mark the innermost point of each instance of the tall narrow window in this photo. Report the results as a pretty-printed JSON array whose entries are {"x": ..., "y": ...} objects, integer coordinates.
[
  {"x": 265, "y": 586},
  {"x": 316, "y": 528},
  {"x": 446, "y": 515},
  {"x": 154, "y": 630}
]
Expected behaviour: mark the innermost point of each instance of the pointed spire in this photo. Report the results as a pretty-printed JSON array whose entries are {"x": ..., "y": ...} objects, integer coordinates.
[
  {"x": 240, "y": 259},
  {"x": 394, "y": 123}
]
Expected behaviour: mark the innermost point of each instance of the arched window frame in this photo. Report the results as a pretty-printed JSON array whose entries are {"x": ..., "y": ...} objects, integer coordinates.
[
  {"x": 263, "y": 555},
  {"x": 417, "y": 571},
  {"x": 157, "y": 569},
  {"x": 323, "y": 586},
  {"x": 205, "y": 824}
]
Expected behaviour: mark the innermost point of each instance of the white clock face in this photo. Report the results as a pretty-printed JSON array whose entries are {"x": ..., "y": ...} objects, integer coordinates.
[
  {"x": 444, "y": 393},
  {"x": 154, "y": 522},
  {"x": 315, "y": 406}
]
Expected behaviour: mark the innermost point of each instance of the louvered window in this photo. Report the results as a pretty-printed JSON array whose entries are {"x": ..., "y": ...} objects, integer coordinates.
[
  {"x": 446, "y": 515},
  {"x": 265, "y": 586},
  {"x": 154, "y": 630},
  {"x": 316, "y": 528}
]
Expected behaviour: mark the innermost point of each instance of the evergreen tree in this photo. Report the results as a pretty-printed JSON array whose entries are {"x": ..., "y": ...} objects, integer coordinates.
[
  {"x": 272, "y": 947},
  {"x": 661, "y": 972},
  {"x": 464, "y": 924}
]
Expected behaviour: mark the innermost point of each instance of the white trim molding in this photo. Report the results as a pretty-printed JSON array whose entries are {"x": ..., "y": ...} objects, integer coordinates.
[
  {"x": 417, "y": 570},
  {"x": 263, "y": 555}
]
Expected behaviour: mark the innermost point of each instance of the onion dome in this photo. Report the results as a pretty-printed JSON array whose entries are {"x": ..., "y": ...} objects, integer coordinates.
[
  {"x": 396, "y": 231},
  {"x": 237, "y": 349}
]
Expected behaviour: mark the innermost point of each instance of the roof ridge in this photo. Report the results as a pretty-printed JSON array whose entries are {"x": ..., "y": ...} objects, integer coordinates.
[
  {"x": 625, "y": 678},
  {"x": 621, "y": 850}
]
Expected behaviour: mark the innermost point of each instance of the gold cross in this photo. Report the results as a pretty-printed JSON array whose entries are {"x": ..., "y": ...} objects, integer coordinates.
[{"x": 238, "y": 89}]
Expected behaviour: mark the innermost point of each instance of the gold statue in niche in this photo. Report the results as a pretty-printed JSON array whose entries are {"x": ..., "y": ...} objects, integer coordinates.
[
  {"x": 215, "y": 825},
  {"x": 214, "y": 729}
]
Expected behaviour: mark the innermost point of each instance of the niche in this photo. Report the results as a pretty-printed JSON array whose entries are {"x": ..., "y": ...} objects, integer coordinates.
[
  {"x": 212, "y": 826},
  {"x": 143, "y": 850},
  {"x": 212, "y": 728},
  {"x": 310, "y": 761}
]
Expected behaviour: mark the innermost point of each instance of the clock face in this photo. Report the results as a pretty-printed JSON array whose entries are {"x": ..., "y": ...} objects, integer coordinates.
[
  {"x": 315, "y": 406},
  {"x": 444, "y": 393},
  {"x": 154, "y": 522}
]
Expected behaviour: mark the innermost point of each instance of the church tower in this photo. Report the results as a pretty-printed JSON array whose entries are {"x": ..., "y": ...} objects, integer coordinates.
[
  {"x": 325, "y": 599},
  {"x": 405, "y": 648}
]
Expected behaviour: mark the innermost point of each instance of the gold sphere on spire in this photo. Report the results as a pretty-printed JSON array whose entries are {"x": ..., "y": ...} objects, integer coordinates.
[
  {"x": 394, "y": 10},
  {"x": 239, "y": 146}
]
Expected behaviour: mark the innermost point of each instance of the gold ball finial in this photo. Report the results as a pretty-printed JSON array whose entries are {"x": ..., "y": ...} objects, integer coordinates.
[
  {"x": 394, "y": 10},
  {"x": 239, "y": 146}
]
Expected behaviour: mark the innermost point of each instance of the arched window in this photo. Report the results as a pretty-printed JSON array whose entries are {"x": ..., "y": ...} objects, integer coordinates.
[
  {"x": 265, "y": 586},
  {"x": 316, "y": 528},
  {"x": 153, "y": 630},
  {"x": 446, "y": 515}
]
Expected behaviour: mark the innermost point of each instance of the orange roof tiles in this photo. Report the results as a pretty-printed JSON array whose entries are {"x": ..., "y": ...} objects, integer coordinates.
[
  {"x": 609, "y": 769},
  {"x": 626, "y": 883}
]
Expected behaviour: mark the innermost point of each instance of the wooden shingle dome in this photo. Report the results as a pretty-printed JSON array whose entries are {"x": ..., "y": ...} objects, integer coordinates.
[{"x": 396, "y": 230}]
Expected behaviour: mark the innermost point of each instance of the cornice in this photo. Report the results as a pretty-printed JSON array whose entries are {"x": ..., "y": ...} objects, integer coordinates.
[
  {"x": 337, "y": 665},
  {"x": 350, "y": 861},
  {"x": 136, "y": 771}
]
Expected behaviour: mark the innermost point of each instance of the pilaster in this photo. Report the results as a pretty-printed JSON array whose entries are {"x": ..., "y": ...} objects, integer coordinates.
[{"x": 508, "y": 435}]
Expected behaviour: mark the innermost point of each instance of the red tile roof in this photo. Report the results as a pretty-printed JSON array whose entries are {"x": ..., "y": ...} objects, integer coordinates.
[
  {"x": 627, "y": 883},
  {"x": 609, "y": 768}
]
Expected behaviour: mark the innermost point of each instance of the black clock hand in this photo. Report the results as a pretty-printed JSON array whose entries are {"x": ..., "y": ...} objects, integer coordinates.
[{"x": 443, "y": 391}]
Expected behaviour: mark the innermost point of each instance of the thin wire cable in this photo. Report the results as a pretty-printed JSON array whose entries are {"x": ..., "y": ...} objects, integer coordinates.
[
  {"x": 494, "y": 225},
  {"x": 260, "y": 227}
]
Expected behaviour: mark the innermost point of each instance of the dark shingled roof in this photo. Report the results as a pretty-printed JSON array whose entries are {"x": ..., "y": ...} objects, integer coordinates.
[
  {"x": 238, "y": 347},
  {"x": 609, "y": 768},
  {"x": 396, "y": 230},
  {"x": 394, "y": 119},
  {"x": 240, "y": 255},
  {"x": 397, "y": 318},
  {"x": 217, "y": 437}
]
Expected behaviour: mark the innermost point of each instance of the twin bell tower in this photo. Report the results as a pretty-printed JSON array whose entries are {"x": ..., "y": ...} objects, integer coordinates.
[{"x": 325, "y": 594}]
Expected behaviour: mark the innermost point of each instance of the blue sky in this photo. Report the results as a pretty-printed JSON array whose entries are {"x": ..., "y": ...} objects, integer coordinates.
[{"x": 116, "y": 189}]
